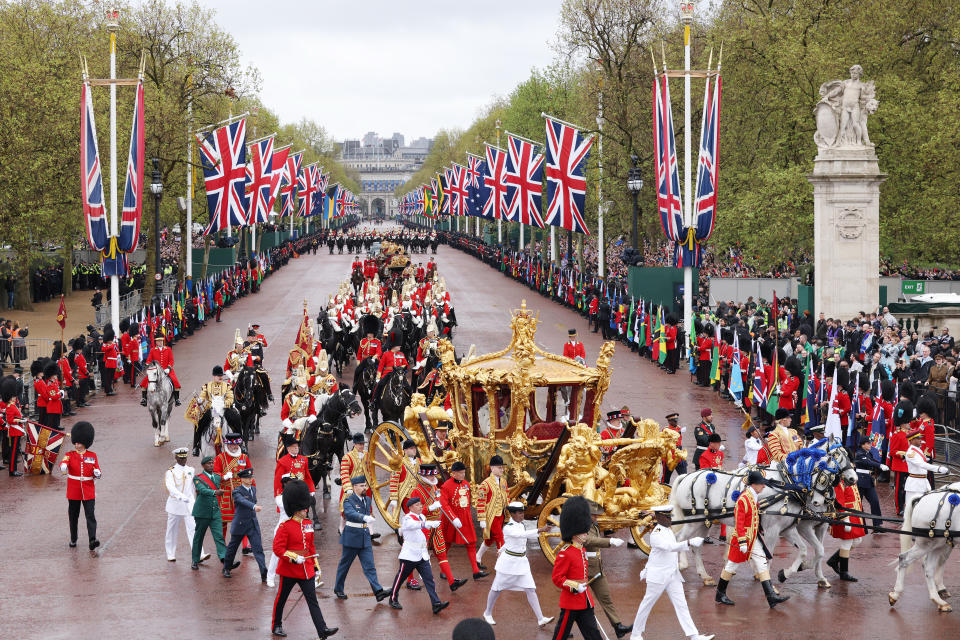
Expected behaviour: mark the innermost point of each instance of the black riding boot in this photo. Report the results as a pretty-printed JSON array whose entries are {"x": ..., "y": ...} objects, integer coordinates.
[
  {"x": 844, "y": 567},
  {"x": 721, "y": 596},
  {"x": 772, "y": 598},
  {"x": 196, "y": 441},
  {"x": 176, "y": 397},
  {"x": 834, "y": 561},
  {"x": 143, "y": 398}
]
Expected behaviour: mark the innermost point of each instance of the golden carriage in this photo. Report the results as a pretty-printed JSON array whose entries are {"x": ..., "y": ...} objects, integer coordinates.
[{"x": 518, "y": 403}]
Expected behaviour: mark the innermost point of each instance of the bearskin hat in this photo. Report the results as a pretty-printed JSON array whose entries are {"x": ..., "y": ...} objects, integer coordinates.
[
  {"x": 36, "y": 367},
  {"x": 108, "y": 335},
  {"x": 726, "y": 335},
  {"x": 58, "y": 349},
  {"x": 124, "y": 325},
  {"x": 903, "y": 413},
  {"x": 296, "y": 497},
  {"x": 79, "y": 343},
  {"x": 8, "y": 389},
  {"x": 82, "y": 433},
  {"x": 50, "y": 370},
  {"x": 574, "y": 518},
  {"x": 766, "y": 351},
  {"x": 907, "y": 390},
  {"x": 134, "y": 330},
  {"x": 843, "y": 378},
  {"x": 887, "y": 389},
  {"x": 928, "y": 405},
  {"x": 671, "y": 319},
  {"x": 793, "y": 366}
]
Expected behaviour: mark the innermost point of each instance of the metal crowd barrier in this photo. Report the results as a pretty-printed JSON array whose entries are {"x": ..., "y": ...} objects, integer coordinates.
[{"x": 947, "y": 443}]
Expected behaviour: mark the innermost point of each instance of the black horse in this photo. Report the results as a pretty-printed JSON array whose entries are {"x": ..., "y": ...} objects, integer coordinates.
[
  {"x": 394, "y": 395},
  {"x": 364, "y": 382},
  {"x": 249, "y": 397},
  {"x": 356, "y": 280},
  {"x": 326, "y": 437}
]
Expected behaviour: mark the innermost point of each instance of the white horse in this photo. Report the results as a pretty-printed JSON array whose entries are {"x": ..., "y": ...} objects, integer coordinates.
[
  {"x": 934, "y": 518},
  {"x": 159, "y": 402},
  {"x": 801, "y": 485}
]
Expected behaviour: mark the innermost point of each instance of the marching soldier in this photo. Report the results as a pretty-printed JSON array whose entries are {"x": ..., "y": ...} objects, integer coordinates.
[
  {"x": 228, "y": 464},
  {"x": 513, "y": 568},
  {"x": 9, "y": 394},
  {"x": 206, "y": 512},
  {"x": 570, "y": 573},
  {"x": 356, "y": 541},
  {"x": 245, "y": 524},
  {"x": 181, "y": 496},
  {"x": 81, "y": 468},
  {"x": 162, "y": 355},
  {"x": 491, "y": 502},
  {"x": 592, "y": 544},
  {"x": 299, "y": 566},
  {"x": 111, "y": 360},
  {"x": 427, "y": 491},
  {"x": 456, "y": 499},
  {"x": 744, "y": 547},
  {"x": 414, "y": 554}
]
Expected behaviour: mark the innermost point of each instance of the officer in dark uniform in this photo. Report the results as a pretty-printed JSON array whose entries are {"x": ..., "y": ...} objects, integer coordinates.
[
  {"x": 702, "y": 433},
  {"x": 867, "y": 462}
]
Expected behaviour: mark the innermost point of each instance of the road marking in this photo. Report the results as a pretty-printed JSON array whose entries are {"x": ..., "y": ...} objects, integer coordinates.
[{"x": 106, "y": 544}]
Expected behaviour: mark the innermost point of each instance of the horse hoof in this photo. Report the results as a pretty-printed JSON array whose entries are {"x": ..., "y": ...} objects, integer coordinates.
[
  {"x": 824, "y": 584},
  {"x": 943, "y": 593},
  {"x": 944, "y": 608},
  {"x": 892, "y": 598},
  {"x": 801, "y": 567},
  {"x": 709, "y": 582}
]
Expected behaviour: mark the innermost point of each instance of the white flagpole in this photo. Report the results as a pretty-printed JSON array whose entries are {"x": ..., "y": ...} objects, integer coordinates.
[
  {"x": 687, "y": 19},
  {"x": 190, "y": 143},
  {"x": 112, "y": 26},
  {"x": 601, "y": 266}
]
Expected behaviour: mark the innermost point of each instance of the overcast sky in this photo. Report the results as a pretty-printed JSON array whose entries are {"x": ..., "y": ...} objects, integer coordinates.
[{"x": 374, "y": 65}]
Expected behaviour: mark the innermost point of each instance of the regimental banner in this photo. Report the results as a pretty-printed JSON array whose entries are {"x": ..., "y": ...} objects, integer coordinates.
[{"x": 43, "y": 448}]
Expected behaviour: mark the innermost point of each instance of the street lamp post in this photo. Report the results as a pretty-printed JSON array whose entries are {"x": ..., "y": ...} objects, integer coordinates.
[
  {"x": 156, "y": 188},
  {"x": 635, "y": 184}
]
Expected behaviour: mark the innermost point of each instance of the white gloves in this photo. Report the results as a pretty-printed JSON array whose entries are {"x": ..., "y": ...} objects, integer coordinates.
[
  {"x": 483, "y": 524},
  {"x": 846, "y": 529},
  {"x": 298, "y": 560},
  {"x": 97, "y": 473},
  {"x": 457, "y": 523},
  {"x": 683, "y": 429},
  {"x": 695, "y": 542},
  {"x": 347, "y": 491},
  {"x": 288, "y": 423},
  {"x": 63, "y": 393},
  {"x": 433, "y": 524},
  {"x": 311, "y": 419},
  {"x": 228, "y": 475},
  {"x": 582, "y": 588},
  {"x": 435, "y": 505},
  {"x": 616, "y": 542},
  {"x": 743, "y": 547},
  {"x": 368, "y": 519},
  {"x": 942, "y": 470},
  {"x": 63, "y": 467},
  {"x": 884, "y": 467},
  {"x": 166, "y": 370},
  {"x": 723, "y": 447}
]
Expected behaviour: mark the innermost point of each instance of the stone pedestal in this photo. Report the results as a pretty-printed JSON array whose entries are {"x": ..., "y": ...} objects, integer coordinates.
[{"x": 846, "y": 226}]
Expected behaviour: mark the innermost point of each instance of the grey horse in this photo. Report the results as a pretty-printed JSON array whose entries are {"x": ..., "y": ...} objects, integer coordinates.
[{"x": 159, "y": 402}]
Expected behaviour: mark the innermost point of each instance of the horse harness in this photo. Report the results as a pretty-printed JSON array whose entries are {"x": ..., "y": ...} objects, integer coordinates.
[{"x": 933, "y": 532}]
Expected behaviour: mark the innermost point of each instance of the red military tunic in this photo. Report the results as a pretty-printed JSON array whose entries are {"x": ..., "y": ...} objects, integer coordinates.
[
  {"x": 51, "y": 390},
  {"x": 296, "y": 537},
  {"x": 81, "y": 362},
  {"x": 390, "y": 361},
  {"x": 848, "y": 497},
  {"x": 40, "y": 391},
  {"x": 711, "y": 459},
  {"x": 225, "y": 463},
  {"x": 13, "y": 418},
  {"x": 789, "y": 392},
  {"x": 298, "y": 468},
  {"x": 455, "y": 498},
  {"x": 66, "y": 373},
  {"x": 573, "y": 350},
  {"x": 79, "y": 468},
  {"x": 110, "y": 355},
  {"x": 369, "y": 347},
  {"x": 671, "y": 334},
  {"x": 164, "y": 357},
  {"x": 748, "y": 524},
  {"x": 571, "y": 564}
]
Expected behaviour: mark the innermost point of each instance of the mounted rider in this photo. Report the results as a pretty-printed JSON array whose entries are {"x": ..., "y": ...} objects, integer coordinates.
[
  {"x": 427, "y": 345},
  {"x": 254, "y": 345},
  {"x": 163, "y": 356},
  {"x": 298, "y": 408},
  {"x": 392, "y": 360},
  {"x": 216, "y": 396},
  {"x": 237, "y": 358}
]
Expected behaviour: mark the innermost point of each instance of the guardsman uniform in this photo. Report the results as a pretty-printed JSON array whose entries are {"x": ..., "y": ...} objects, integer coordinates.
[
  {"x": 571, "y": 575},
  {"x": 54, "y": 395},
  {"x": 13, "y": 421},
  {"x": 369, "y": 348},
  {"x": 82, "y": 468},
  {"x": 594, "y": 542},
  {"x": 456, "y": 498},
  {"x": 492, "y": 500},
  {"x": 849, "y": 533},
  {"x": 428, "y": 492},
  {"x": 228, "y": 464}
]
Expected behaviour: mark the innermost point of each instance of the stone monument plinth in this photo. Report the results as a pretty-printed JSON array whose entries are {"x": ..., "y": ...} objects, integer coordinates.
[{"x": 846, "y": 201}]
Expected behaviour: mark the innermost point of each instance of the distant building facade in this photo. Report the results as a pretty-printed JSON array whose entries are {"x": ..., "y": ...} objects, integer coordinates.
[{"x": 383, "y": 165}]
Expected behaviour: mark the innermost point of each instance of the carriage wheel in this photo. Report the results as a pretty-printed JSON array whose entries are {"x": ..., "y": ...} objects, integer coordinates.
[
  {"x": 385, "y": 443},
  {"x": 640, "y": 532},
  {"x": 550, "y": 515}
]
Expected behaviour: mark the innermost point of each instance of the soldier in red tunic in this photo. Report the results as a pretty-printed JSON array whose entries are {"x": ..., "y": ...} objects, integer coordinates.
[
  {"x": 570, "y": 573},
  {"x": 744, "y": 547},
  {"x": 292, "y": 464},
  {"x": 81, "y": 468},
  {"x": 162, "y": 355},
  {"x": 573, "y": 348},
  {"x": 293, "y": 544},
  {"x": 54, "y": 395},
  {"x": 228, "y": 464},
  {"x": 455, "y": 498},
  {"x": 111, "y": 359},
  {"x": 9, "y": 391},
  {"x": 849, "y": 533}
]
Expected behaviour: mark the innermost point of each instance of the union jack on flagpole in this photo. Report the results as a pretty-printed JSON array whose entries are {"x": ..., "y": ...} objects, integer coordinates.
[
  {"x": 705, "y": 204},
  {"x": 307, "y": 186},
  {"x": 259, "y": 176},
  {"x": 524, "y": 178},
  {"x": 458, "y": 190},
  {"x": 223, "y": 154},
  {"x": 279, "y": 166},
  {"x": 666, "y": 168},
  {"x": 94, "y": 211},
  {"x": 567, "y": 153},
  {"x": 495, "y": 180},
  {"x": 133, "y": 190},
  {"x": 288, "y": 183}
]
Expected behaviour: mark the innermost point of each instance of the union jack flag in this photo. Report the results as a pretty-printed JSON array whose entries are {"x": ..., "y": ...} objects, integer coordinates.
[
  {"x": 446, "y": 182},
  {"x": 567, "y": 153},
  {"x": 524, "y": 178},
  {"x": 307, "y": 185},
  {"x": 288, "y": 185},
  {"x": 42, "y": 449},
  {"x": 495, "y": 180},
  {"x": 420, "y": 207},
  {"x": 458, "y": 190},
  {"x": 665, "y": 162},
  {"x": 94, "y": 211},
  {"x": 133, "y": 190},
  {"x": 705, "y": 205},
  {"x": 279, "y": 165},
  {"x": 474, "y": 171},
  {"x": 223, "y": 154},
  {"x": 259, "y": 176}
]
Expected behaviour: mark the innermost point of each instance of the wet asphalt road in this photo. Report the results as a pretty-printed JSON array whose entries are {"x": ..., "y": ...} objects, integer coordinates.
[{"x": 130, "y": 590}]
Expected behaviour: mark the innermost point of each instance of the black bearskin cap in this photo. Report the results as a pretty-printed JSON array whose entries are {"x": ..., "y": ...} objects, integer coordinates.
[
  {"x": 82, "y": 433},
  {"x": 574, "y": 518},
  {"x": 296, "y": 497},
  {"x": 8, "y": 389}
]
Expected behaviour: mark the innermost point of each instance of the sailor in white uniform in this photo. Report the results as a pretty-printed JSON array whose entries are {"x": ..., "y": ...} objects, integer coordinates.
[
  {"x": 181, "y": 495},
  {"x": 513, "y": 568},
  {"x": 663, "y": 574}
]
